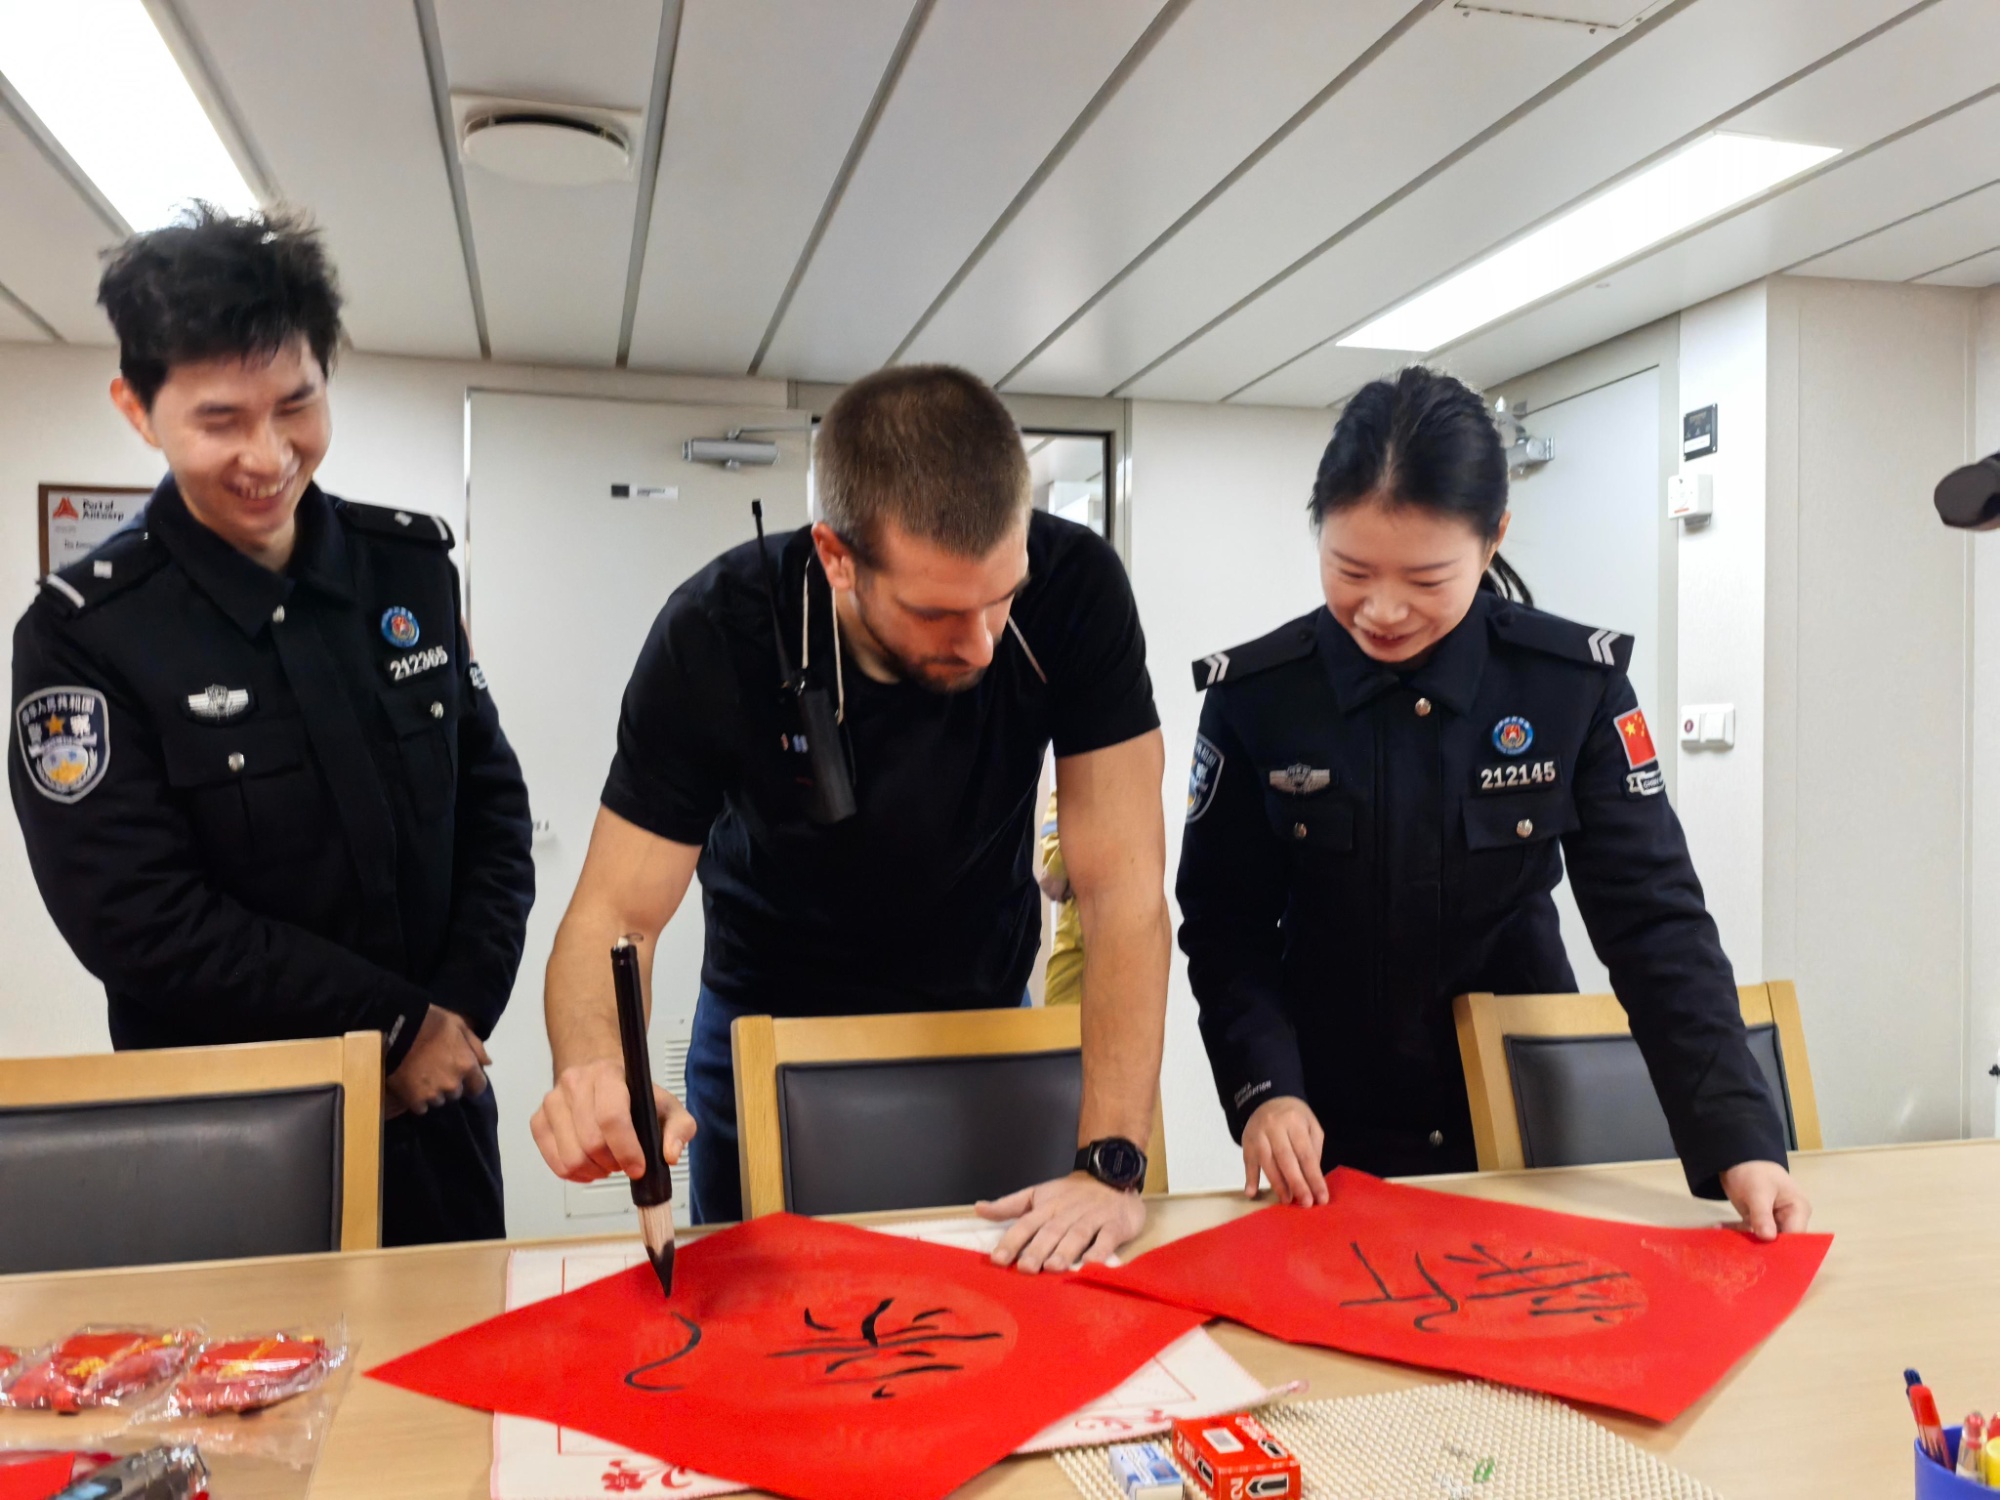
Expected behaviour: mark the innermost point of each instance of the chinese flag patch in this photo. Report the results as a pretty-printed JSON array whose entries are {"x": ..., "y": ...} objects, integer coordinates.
[{"x": 1638, "y": 739}]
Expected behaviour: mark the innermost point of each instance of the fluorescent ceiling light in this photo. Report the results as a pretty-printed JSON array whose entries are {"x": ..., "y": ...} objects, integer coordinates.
[
  {"x": 101, "y": 78},
  {"x": 1711, "y": 175}
]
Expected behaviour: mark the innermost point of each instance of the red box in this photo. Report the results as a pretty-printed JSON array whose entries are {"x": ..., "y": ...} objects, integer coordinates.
[{"x": 1236, "y": 1458}]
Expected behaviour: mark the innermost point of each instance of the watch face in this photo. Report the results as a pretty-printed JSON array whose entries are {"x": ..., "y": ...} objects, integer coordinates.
[{"x": 1119, "y": 1163}]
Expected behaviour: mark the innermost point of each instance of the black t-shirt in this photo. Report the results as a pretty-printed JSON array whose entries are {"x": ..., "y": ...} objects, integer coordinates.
[{"x": 925, "y": 899}]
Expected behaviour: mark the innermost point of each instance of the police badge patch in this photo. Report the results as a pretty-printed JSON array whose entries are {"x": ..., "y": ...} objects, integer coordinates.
[
  {"x": 1300, "y": 780},
  {"x": 399, "y": 627},
  {"x": 1203, "y": 777},
  {"x": 215, "y": 703},
  {"x": 65, "y": 739}
]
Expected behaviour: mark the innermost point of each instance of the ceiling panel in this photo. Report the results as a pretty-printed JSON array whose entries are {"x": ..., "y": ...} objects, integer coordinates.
[
  {"x": 1979, "y": 270},
  {"x": 1922, "y": 167},
  {"x": 552, "y": 260},
  {"x": 1854, "y": 100},
  {"x": 16, "y": 329},
  {"x": 1913, "y": 247},
  {"x": 353, "y": 139},
  {"x": 767, "y": 94},
  {"x": 1145, "y": 161},
  {"x": 49, "y": 239},
  {"x": 988, "y": 90},
  {"x": 1671, "y": 81},
  {"x": 1384, "y": 129}
]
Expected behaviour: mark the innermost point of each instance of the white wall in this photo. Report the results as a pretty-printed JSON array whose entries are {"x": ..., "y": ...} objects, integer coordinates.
[
  {"x": 1983, "y": 823},
  {"x": 1221, "y": 552},
  {"x": 1867, "y": 644},
  {"x": 399, "y": 438},
  {"x": 1721, "y": 619}
]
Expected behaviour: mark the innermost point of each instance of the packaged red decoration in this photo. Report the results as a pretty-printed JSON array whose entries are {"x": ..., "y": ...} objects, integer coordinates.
[
  {"x": 37, "y": 1473},
  {"x": 244, "y": 1375},
  {"x": 102, "y": 1367},
  {"x": 1236, "y": 1458}
]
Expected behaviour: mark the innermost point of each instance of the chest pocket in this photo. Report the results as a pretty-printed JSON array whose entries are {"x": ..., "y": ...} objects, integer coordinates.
[
  {"x": 252, "y": 790},
  {"x": 1322, "y": 822},
  {"x": 422, "y": 720},
  {"x": 1510, "y": 836}
]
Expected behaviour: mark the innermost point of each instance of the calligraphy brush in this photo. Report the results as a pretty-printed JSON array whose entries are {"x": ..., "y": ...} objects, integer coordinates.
[{"x": 653, "y": 1191}]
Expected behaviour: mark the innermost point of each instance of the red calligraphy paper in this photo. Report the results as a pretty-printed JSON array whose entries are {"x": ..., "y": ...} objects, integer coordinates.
[
  {"x": 812, "y": 1359},
  {"x": 1621, "y": 1315}
]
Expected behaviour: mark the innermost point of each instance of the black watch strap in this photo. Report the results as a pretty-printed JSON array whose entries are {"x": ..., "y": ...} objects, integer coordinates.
[{"x": 1115, "y": 1162}]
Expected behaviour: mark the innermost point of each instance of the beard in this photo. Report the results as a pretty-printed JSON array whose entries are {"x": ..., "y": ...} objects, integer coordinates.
[
  {"x": 941, "y": 676},
  {"x": 944, "y": 676}
]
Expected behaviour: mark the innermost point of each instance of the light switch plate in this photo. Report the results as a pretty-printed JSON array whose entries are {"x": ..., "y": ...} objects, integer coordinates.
[{"x": 1708, "y": 726}]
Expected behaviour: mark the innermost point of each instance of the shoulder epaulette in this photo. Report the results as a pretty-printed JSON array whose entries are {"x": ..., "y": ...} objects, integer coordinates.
[
  {"x": 407, "y": 525},
  {"x": 125, "y": 558},
  {"x": 1288, "y": 642},
  {"x": 1552, "y": 634}
]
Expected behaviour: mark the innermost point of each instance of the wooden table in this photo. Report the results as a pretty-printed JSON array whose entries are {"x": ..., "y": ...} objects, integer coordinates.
[{"x": 1819, "y": 1410}]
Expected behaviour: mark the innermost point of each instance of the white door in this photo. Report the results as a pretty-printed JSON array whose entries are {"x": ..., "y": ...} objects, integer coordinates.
[
  {"x": 563, "y": 582},
  {"x": 1590, "y": 537}
]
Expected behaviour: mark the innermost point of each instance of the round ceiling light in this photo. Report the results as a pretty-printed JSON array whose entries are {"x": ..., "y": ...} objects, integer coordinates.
[{"x": 549, "y": 150}]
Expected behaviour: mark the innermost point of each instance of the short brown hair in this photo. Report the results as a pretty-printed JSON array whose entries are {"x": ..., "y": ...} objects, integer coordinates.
[{"x": 929, "y": 446}]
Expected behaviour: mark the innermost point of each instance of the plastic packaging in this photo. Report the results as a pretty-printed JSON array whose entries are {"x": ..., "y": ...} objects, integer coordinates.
[
  {"x": 249, "y": 1374},
  {"x": 100, "y": 1366},
  {"x": 271, "y": 1395}
]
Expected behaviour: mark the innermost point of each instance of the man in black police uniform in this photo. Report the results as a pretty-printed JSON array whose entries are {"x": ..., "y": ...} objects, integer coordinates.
[
  {"x": 264, "y": 788},
  {"x": 963, "y": 633}
]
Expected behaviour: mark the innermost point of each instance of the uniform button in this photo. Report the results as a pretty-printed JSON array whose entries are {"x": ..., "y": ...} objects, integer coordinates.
[
  {"x": 278, "y": 615},
  {"x": 437, "y": 710},
  {"x": 1298, "y": 830},
  {"x": 1437, "y": 1137},
  {"x": 1525, "y": 827},
  {"x": 1423, "y": 708},
  {"x": 236, "y": 760}
]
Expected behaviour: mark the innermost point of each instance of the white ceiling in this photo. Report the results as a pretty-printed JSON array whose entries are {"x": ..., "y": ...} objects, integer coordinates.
[{"x": 1184, "y": 199}]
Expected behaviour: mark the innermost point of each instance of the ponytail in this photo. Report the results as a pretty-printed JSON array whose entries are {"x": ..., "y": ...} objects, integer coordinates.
[{"x": 1501, "y": 579}]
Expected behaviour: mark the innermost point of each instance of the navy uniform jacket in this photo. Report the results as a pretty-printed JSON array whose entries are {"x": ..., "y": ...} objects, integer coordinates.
[
  {"x": 265, "y": 805},
  {"x": 1363, "y": 845}
]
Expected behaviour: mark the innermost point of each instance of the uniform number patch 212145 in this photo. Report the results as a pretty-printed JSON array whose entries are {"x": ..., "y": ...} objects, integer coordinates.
[
  {"x": 403, "y": 668},
  {"x": 1518, "y": 776}
]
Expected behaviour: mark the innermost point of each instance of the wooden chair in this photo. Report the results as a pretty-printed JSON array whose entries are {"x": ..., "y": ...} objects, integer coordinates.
[
  {"x": 191, "y": 1153},
  {"x": 1495, "y": 1032},
  {"x": 934, "y": 1108}
]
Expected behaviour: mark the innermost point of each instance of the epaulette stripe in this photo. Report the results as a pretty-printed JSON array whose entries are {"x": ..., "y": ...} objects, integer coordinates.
[
  {"x": 64, "y": 587},
  {"x": 1601, "y": 642},
  {"x": 444, "y": 534}
]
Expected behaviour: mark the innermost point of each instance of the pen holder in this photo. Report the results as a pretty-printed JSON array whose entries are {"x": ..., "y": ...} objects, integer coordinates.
[{"x": 1935, "y": 1482}]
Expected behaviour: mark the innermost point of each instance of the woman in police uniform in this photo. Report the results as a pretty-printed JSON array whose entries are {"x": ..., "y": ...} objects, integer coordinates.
[{"x": 1378, "y": 796}]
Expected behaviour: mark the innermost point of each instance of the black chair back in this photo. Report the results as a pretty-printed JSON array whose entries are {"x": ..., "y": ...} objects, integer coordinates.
[
  {"x": 925, "y": 1132},
  {"x": 1586, "y": 1099},
  {"x": 150, "y": 1181}
]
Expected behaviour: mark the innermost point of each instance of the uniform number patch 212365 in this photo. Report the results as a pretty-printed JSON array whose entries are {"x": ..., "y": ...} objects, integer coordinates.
[
  {"x": 1518, "y": 776},
  {"x": 403, "y": 668}
]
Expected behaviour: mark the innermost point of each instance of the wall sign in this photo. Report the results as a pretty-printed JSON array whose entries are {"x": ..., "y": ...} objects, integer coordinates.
[
  {"x": 1698, "y": 433},
  {"x": 73, "y": 520}
]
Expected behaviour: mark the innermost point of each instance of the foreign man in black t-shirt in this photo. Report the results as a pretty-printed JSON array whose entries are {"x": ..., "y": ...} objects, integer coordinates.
[{"x": 958, "y": 634}]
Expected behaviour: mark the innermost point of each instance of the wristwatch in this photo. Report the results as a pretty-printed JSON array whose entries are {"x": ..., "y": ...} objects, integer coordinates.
[{"x": 1115, "y": 1162}]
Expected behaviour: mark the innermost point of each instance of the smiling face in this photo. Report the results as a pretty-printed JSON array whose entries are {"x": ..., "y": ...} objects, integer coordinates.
[
  {"x": 919, "y": 613},
  {"x": 1400, "y": 577},
  {"x": 243, "y": 438}
]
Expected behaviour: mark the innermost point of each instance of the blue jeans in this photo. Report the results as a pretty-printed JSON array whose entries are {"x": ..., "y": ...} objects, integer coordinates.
[
  {"x": 715, "y": 1182},
  {"x": 715, "y": 1186}
]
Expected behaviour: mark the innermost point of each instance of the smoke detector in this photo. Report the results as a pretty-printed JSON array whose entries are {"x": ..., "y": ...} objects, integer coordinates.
[{"x": 548, "y": 145}]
